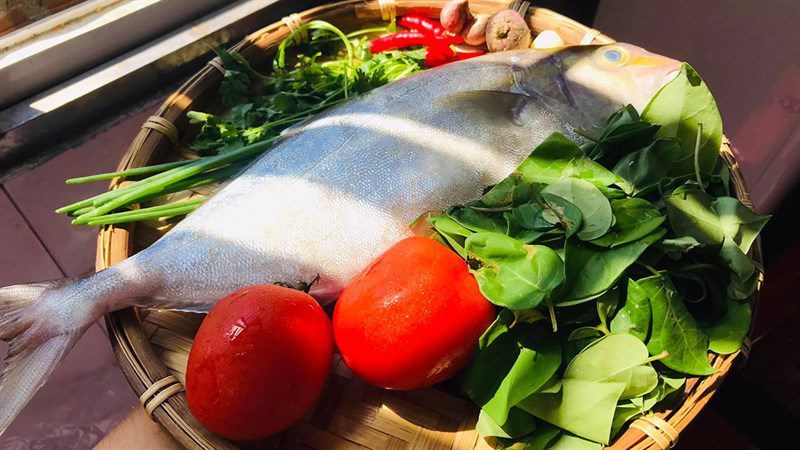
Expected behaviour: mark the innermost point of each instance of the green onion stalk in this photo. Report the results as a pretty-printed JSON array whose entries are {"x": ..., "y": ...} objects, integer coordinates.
[{"x": 327, "y": 68}]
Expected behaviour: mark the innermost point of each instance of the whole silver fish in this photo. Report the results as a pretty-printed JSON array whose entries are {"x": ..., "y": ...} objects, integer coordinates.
[{"x": 337, "y": 191}]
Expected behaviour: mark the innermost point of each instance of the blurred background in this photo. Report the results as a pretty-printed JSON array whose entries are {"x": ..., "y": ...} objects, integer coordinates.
[{"x": 78, "y": 78}]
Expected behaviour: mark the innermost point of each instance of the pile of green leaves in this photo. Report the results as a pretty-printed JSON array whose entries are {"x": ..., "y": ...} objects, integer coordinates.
[
  {"x": 619, "y": 265},
  {"x": 319, "y": 73}
]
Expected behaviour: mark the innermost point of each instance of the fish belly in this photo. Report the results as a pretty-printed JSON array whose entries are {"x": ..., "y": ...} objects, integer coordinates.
[{"x": 334, "y": 195}]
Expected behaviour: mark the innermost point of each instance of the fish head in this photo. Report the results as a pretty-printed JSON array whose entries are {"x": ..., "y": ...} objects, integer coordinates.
[{"x": 592, "y": 80}]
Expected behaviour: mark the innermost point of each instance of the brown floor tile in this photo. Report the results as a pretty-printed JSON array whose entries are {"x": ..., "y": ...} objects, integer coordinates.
[
  {"x": 84, "y": 399},
  {"x": 41, "y": 190},
  {"x": 22, "y": 258}
]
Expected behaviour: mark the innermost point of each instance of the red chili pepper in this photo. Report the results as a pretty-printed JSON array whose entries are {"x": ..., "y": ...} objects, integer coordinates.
[
  {"x": 467, "y": 55},
  {"x": 397, "y": 41},
  {"x": 438, "y": 55},
  {"x": 405, "y": 39},
  {"x": 422, "y": 24}
]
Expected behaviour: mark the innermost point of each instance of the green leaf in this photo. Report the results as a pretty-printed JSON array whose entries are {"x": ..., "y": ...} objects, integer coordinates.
[
  {"x": 567, "y": 441},
  {"x": 645, "y": 168},
  {"x": 594, "y": 207},
  {"x": 616, "y": 357},
  {"x": 739, "y": 222},
  {"x": 560, "y": 211},
  {"x": 552, "y": 210},
  {"x": 474, "y": 220},
  {"x": 635, "y": 219},
  {"x": 500, "y": 325},
  {"x": 542, "y": 438},
  {"x": 547, "y": 161},
  {"x": 502, "y": 193},
  {"x": 590, "y": 171},
  {"x": 607, "y": 305},
  {"x": 529, "y": 216},
  {"x": 634, "y": 318},
  {"x": 678, "y": 246},
  {"x": 591, "y": 270},
  {"x": 512, "y": 274},
  {"x": 612, "y": 367},
  {"x": 635, "y": 407},
  {"x": 519, "y": 423},
  {"x": 674, "y": 330},
  {"x": 451, "y": 231},
  {"x": 741, "y": 265},
  {"x": 585, "y": 408},
  {"x": 515, "y": 364},
  {"x": 624, "y": 131},
  {"x": 691, "y": 213},
  {"x": 728, "y": 333},
  {"x": 558, "y": 156},
  {"x": 678, "y": 108}
]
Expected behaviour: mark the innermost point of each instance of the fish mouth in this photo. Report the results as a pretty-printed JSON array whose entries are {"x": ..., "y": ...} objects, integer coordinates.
[{"x": 661, "y": 68}]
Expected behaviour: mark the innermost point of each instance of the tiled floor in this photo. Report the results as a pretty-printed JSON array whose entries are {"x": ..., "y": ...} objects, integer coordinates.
[{"x": 87, "y": 395}]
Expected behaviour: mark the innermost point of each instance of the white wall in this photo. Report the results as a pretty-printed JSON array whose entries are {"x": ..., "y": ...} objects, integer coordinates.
[{"x": 749, "y": 54}]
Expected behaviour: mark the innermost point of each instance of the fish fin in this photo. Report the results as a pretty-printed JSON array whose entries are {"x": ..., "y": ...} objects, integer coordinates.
[{"x": 32, "y": 356}]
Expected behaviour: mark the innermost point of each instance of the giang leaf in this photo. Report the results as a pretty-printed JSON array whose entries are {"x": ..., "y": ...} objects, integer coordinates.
[
  {"x": 545, "y": 215},
  {"x": 500, "y": 325},
  {"x": 741, "y": 265},
  {"x": 643, "y": 169},
  {"x": 474, "y": 220},
  {"x": 624, "y": 130},
  {"x": 739, "y": 222},
  {"x": 638, "y": 406},
  {"x": 512, "y": 274},
  {"x": 568, "y": 441},
  {"x": 543, "y": 437},
  {"x": 592, "y": 270},
  {"x": 635, "y": 219},
  {"x": 742, "y": 288},
  {"x": 591, "y": 171},
  {"x": 634, "y": 317},
  {"x": 579, "y": 339},
  {"x": 561, "y": 211},
  {"x": 744, "y": 277},
  {"x": 616, "y": 357},
  {"x": 519, "y": 423},
  {"x": 453, "y": 232},
  {"x": 610, "y": 368},
  {"x": 727, "y": 334},
  {"x": 607, "y": 305},
  {"x": 678, "y": 108},
  {"x": 529, "y": 216},
  {"x": 674, "y": 329},
  {"x": 556, "y": 156},
  {"x": 585, "y": 408},
  {"x": 691, "y": 213},
  {"x": 502, "y": 193},
  {"x": 547, "y": 161},
  {"x": 586, "y": 332},
  {"x": 512, "y": 366},
  {"x": 594, "y": 207},
  {"x": 678, "y": 246}
]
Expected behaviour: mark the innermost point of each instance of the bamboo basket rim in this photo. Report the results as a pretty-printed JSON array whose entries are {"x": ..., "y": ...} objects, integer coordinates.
[{"x": 161, "y": 393}]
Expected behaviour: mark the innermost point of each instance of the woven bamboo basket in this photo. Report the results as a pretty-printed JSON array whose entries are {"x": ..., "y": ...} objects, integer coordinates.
[{"x": 152, "y": 347}]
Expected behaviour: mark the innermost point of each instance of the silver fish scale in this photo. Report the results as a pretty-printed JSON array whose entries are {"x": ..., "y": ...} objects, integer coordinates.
[{"x": 340, "y": 189}]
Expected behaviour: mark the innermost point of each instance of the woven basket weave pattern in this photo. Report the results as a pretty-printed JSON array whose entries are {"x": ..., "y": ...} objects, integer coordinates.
[{"x": 153, "y": 346}]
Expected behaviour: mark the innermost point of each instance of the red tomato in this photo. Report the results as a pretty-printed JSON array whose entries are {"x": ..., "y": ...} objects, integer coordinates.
[
  {"x": 259, "y": 362},
  {"x": 412, "y": 318}
]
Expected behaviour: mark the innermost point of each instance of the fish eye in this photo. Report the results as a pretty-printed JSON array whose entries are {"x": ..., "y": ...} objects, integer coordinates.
[{"x": 615, "y": 56}]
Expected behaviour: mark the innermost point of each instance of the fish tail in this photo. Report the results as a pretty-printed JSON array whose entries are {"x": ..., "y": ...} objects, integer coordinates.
[{"x": 36, "y": 345}]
